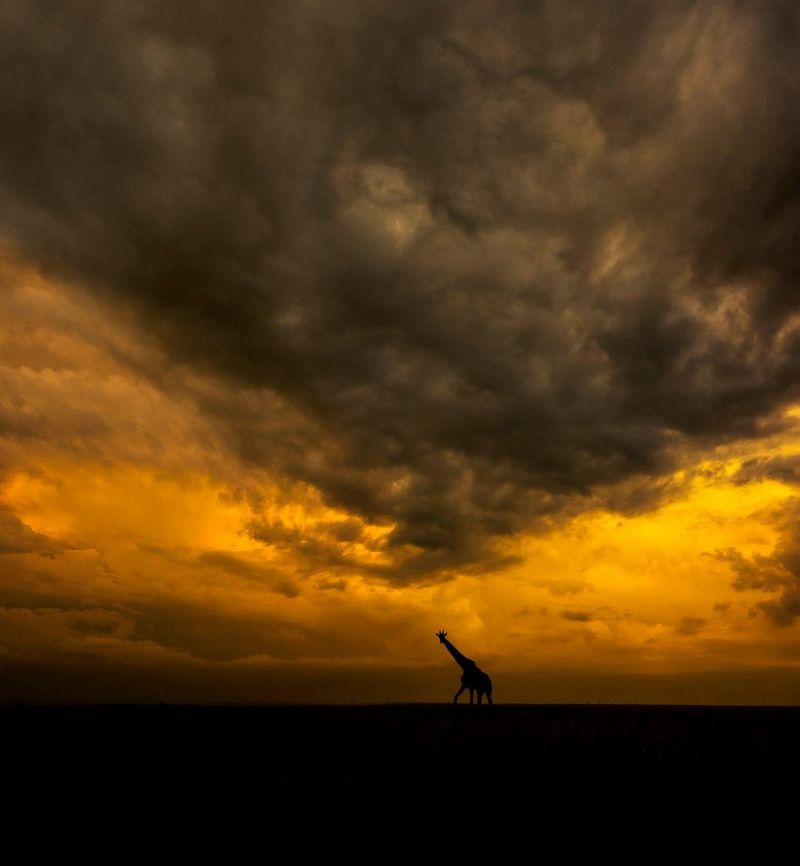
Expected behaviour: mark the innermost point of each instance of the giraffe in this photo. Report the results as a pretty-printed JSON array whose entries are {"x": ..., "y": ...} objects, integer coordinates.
[{"x": 473, "y": 677}]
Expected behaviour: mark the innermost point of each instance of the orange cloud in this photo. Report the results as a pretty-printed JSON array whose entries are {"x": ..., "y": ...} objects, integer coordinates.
[{"x": 130, "y": 534}]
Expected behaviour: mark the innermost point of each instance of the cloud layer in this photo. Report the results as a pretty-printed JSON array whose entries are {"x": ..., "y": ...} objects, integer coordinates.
[{"x": 459, "y": 265}]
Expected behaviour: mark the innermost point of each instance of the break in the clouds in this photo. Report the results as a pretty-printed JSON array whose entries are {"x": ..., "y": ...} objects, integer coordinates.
[{"x": 458, "y": 265}]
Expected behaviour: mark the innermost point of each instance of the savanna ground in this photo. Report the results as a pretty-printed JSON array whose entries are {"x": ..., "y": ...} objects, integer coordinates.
[{"x": 614, "y": 777}]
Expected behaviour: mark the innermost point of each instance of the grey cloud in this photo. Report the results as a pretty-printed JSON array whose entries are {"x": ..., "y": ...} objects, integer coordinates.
[
  {"x": 224, "y": 636},
  {"x": 525, "y": 611},
  {"x": 758, "y": 572},
  {"x": 228, "y": 562},
  {"x": 18, "y": 537},
  {"x": 564, "y": 586},
  {"x": 785, "y": 609},
  {"x": 784, "y": 468},
  {"x": 777, "y": 573},
  {"x": 577, "y": 615},
  {"x": 318, "y": 550},
  {"x": 486, "y": 258},
  {"x": 275, "y": 579},
  {"x": 691, "y": 625},
  {"x": 221, "y": 637}
]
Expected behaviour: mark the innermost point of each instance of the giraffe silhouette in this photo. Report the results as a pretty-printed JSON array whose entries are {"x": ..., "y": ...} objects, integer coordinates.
[{"x": 473, "y": 677}]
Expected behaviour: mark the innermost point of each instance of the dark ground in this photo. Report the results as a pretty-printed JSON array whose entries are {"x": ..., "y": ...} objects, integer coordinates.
[{"x": 614, "y": 778}]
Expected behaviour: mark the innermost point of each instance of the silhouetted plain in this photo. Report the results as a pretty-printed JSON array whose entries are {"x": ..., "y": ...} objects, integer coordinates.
[{"x": 368, "y": 780}]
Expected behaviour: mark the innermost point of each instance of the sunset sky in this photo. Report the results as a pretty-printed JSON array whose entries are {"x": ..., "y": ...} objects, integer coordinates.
[{"x": 326, "y": 325}]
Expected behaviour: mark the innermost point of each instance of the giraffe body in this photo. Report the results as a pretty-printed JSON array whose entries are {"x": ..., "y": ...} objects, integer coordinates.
[{"x": 472, "y": 678}]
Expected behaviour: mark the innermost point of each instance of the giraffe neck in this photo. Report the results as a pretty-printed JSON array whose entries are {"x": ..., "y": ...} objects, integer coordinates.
[{"x": 461, "y": 660}]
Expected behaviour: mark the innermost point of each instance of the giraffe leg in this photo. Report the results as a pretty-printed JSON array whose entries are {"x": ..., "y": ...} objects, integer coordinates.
[
  {"x": 455, "y": 699},
  {"x": 471, "y": 695},
  {"x": 480, "y": 698}
]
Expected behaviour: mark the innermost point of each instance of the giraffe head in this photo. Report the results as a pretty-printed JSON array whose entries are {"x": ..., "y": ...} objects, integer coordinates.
[{"x": 441, "y": 635}]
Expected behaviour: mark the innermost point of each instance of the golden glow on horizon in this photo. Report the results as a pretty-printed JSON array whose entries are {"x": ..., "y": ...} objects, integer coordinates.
[{"x": 135, "y": 515}]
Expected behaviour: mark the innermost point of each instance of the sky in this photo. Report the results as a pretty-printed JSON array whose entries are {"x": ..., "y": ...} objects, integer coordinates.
[{"x": 325, "y": 326}]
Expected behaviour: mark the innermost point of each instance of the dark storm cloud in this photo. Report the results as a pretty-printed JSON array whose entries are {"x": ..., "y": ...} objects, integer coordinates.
[
  {"x": 691, "y": 625},
  {"x": 457, "y": 263},
  {"x": 227, "y": 635},
  {"x": 219, "y": 637},
  {"x": 318, "y": 550},
  {"x": 228, "y": 563},
  {"x": 18, "y": 537},
  {"x": 785, "y": 468},
  {"x": 777, "y": 573},
  {"x": 232, "y": 564}
]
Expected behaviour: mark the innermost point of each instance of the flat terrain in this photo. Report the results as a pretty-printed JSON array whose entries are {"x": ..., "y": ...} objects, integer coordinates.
[{"x": 609, "y": 775}]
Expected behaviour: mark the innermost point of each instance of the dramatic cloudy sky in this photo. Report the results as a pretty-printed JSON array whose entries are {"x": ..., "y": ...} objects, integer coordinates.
[{"x": 324, "y": 325}]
